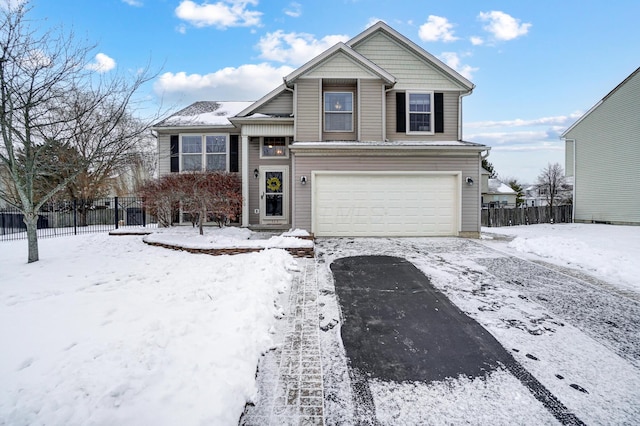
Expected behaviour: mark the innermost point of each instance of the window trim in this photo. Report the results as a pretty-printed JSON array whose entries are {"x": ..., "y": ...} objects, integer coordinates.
[
  {"x": 203, "y": 152},
  {"x": 325, "y": 112},
  {"x": 274, "y": 157},
  {"x": 408, "y": 113}
]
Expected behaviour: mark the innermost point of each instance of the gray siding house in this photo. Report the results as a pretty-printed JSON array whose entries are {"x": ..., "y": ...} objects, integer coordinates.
[
  {"x": 363, "y": 140},
  {"x": 602, "y": 153}
]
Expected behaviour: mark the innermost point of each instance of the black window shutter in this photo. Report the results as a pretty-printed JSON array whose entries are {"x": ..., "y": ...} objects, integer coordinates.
[
  {"x": 401, "y": 119},
  {"x": 233, "y": 153},
  {"x": 175, "y": 154},
  {"x": 438, "y": 100}
]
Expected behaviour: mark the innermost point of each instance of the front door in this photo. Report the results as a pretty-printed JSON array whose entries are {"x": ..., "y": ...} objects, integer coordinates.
[{"x": 274, "y": 195}]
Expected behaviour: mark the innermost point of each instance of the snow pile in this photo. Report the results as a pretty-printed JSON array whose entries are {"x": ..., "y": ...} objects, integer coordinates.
[
  {"x": 222, "y": 238},
  {"x": 109, "y": 330},
  {"x": 606, "y": 251}
]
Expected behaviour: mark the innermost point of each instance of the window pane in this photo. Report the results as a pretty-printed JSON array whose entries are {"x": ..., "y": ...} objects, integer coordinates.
[
  {"x": 420, "y": 122},
  {"x": 191, "y": 144},
  {"x": 192, "y": 162},
  {"x": 335, "y": 121},
  {"x": 273, "y": 182},
  {"x": 274, "y": 147},
  {"x": 216, "y": 162},
  {"x": 419, "y": 102},
  {"x": 216, "y": 143},
  {"x": 338, "y": 102}
]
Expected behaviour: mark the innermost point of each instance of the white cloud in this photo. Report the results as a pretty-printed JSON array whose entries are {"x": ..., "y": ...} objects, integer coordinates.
[
  {"x": 372, "y": 21},
  {"x": 294, "y": 10},
  {"x": 503, "y": 26},
  {"x": 476, "y": 41},
  {"x": 182, "y": 29},
  {"x": 558, "y": 120},
  {"x": 102, "y": 63},
  {"x": 223, "y": 14},
  {"x": 244, "y": 83},
  {"x": 295, "y": 48},
  {"x": 135, "y": 3},
  {"x": 11, "y": 4},
  {"x": 437, "y": 28},
  {"x": 453, "y": 60}
]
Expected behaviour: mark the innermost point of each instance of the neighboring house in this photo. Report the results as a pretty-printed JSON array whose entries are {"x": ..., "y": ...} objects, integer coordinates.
[
  {"x": 533, "y": 196},
  {"x": 538, "y": 196},
  {"x": 498, "y": 194},
  {"x": 363, "y": 140},
  {"x": 602, "y": 153}
]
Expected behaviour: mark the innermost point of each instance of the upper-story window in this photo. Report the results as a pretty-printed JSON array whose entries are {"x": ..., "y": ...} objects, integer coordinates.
[
  {"x": 274, "y": 147},
  {"x": 338, "y": 112},
  {"x": 420, "y": 112},
  {"x": 203, "y": 152}
]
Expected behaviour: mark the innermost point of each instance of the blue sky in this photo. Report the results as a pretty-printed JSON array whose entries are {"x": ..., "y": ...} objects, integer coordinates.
[{"x": 537, "y": 65}]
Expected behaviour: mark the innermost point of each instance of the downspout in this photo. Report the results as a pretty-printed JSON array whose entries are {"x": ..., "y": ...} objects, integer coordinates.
[
  {"x": 460, "y": 114},
  {"x": 573, "y": 196},
  {"x": 292, "y": 178}
]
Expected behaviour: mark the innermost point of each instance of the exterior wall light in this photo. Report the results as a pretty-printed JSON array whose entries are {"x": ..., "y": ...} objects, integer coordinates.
[
  {"x": 256, "y": 173},
  {"x": 469, "y": 181},
  {"x": 303, "y": 180}
]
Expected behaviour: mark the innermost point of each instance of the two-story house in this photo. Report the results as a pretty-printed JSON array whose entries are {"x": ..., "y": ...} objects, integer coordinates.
[{"x": 363, "y": 140}]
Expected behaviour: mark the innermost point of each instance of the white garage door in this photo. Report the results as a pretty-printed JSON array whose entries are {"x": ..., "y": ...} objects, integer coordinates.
[{"x": 385, "y": 204}]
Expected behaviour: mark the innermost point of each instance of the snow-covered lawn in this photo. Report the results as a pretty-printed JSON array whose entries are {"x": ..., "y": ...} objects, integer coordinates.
[
  {"x": 108, "y": 330},
  {"x": 610, "y": 253}
]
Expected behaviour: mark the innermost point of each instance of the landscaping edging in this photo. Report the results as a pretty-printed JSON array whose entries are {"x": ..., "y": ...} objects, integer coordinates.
[{"x": 295, "y": 251}]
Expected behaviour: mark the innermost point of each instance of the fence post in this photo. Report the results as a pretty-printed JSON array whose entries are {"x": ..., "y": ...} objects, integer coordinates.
[
  {"x": 115, "y": 211},
  {"x": 144, "y": 215},
  {"x": 75, "y": 216}
]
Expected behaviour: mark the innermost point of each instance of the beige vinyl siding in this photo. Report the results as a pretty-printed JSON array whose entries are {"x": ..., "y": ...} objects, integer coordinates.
[
  {"x": 308, "y": 113},
  {"x": 607, "y": 158},
  {"x": 450, "y": 104},
  {"x": 409, "y": 70},
  {"x": 341, "y": 136},
  {"x": 467, "y": 165},
  {"x": 254, "y": 190},
  {"x": 280, "y": 105},
  {"x": 339, "y": 66},
  {"x": 164, "y": 154},
  {"x": 267, "y": 129},
  {"x": 568, "y": 157},
  {"x": 371, "y": 113}
]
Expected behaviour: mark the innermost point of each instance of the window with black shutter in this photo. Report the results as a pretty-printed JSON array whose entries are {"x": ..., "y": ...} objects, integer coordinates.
[
  {"x": 233, "y": 154},
  {"x": 175, "y": 154},
  {"x": 438, "y": 104},
  {"x": 401, "y": 119}
]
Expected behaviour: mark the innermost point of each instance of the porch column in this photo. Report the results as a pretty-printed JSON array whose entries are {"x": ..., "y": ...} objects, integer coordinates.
[{"x": 245, "y": 180}]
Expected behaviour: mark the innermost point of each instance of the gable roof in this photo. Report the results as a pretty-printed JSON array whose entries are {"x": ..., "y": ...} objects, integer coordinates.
[
  {"x": 350, "y": 53},
  {"x": 381, "y": 26},
  {"x": 204, "y": 113},
  {"x": 600, "y": 102},
  {"x": 496, "y": 186}
]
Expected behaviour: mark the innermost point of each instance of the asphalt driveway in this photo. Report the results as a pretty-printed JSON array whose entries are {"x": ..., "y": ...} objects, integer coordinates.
[{"x": 398, "y": 327}]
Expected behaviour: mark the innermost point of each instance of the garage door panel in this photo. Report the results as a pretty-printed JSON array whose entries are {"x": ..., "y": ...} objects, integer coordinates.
[{"x": 401, "y": 204}]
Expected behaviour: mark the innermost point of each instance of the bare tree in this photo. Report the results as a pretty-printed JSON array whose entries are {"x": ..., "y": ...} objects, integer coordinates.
[
  {"x": 551, "y": 182},
  {"x": 50, "y": 98}
]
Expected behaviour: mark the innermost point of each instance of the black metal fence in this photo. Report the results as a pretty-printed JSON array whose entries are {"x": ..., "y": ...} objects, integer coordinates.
[
  {"x": 526, "y": 216},
  {"x": 77, "y": 217}
]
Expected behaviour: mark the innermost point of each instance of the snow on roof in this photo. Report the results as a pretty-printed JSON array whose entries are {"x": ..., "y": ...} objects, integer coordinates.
[
  {"x": 205, "y": 113},
  {"x": 496, "y": 186}
]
